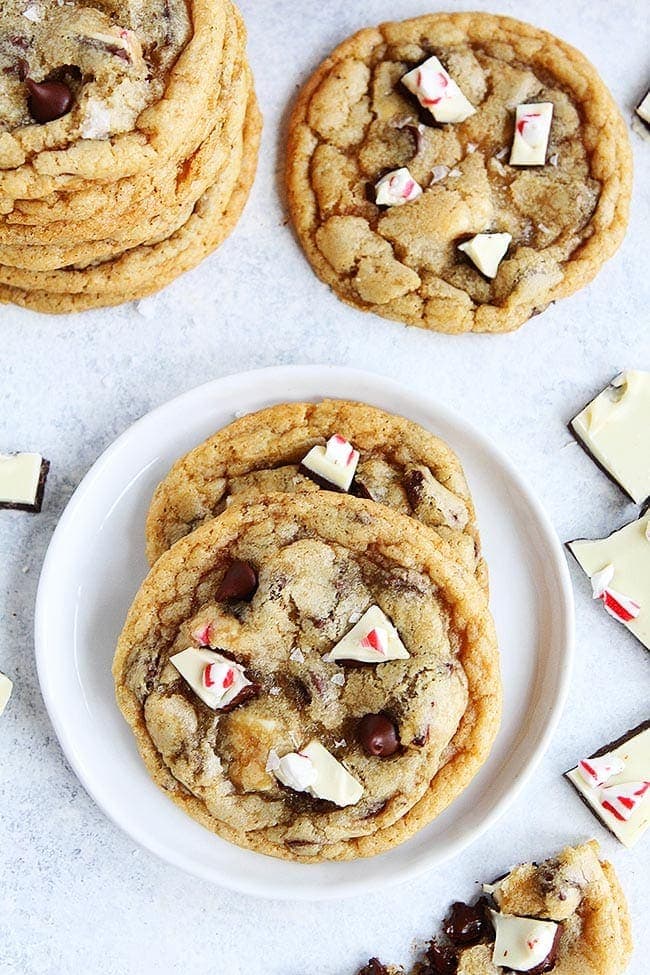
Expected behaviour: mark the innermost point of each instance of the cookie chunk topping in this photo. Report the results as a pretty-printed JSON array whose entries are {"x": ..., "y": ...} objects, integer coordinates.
[
  {"x": 486, "y": 251},
  {"x": 333, "y": 465},
  {"x": 531, "y": 135},
  {"x": 397, "y": 188},
  {"x": 218, "y": 681},
  {"x": 373, "y": 640},
  {"x": 316, "y": 771},
  {"x": 437, "y": 91}
]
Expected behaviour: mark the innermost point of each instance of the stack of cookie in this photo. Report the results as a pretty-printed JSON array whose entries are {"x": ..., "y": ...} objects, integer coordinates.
[
  {"x": 128, "y": 144},
  {"x": 310, "y": 669}
]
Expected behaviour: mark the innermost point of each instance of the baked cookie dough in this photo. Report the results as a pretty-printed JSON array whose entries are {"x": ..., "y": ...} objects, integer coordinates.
[
  {"x": 28, "y": 264},
  {"x": 131, "y": 72},
  {"x": 401, "y": 465},
  {"x": 356, "y": 122},
  {"x": 101, "y": 209},
  {"x": 401, "y": 738},
  {"x": 566, "y": 915},
  {"x": 148, "y": 268}
]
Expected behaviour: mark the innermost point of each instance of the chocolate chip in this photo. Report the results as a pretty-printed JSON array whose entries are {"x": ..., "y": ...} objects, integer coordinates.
[
  {"x": 360, "y": 490},
  {"x": 374, "y": 967},
  {"x": 378, "y": 735},
  {"x": 239, "y": 582},
  {"x": 48, "y": 100},
  {"x": 441, "y": 960},
  {"x": 466, "y": 925}
]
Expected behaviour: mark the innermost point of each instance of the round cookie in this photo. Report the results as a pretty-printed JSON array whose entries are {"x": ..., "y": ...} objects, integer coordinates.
[
  {"x": 93, "y": 212},
  {"x": 38, "y": 159},
  {"x": 401, "y": 465},
  {"x": 355, "y": 121},
  {"x": 147, "y": 269},
  {"x": 192, "y": 180},
  {"x": 320, "y": 561}
]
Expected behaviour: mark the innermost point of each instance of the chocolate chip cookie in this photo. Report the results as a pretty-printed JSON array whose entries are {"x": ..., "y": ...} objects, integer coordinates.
[
  {"x": 458, "y": 172},
  {"x": 145, "y": 269},
  {"x": 400, "y": 464},
  {"x": 310, "y": 675},
  {"x": 566, "y": 915}
]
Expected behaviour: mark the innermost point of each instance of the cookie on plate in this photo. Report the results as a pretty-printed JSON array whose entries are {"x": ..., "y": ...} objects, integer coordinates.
[
  {"x": 398, "y": 463},
  {"x": 458, "y": 172},
  {"x": 566, "y": 915},
  {"x": 310, "y": 675}
]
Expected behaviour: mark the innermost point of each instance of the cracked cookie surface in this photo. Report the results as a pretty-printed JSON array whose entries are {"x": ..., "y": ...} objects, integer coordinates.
[
  {"x": 134, "y": 103},
  {"x": 401, "y": 465},
  {"x": 355, "y": 121},
  {"x": 320, "y": 560}
]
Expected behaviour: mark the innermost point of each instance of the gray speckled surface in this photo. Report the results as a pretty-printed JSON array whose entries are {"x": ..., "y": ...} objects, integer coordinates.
[{"x": 75, "y": 894}]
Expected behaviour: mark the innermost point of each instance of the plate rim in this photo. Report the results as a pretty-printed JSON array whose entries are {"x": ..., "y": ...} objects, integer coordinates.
[{"x": 270, "y": 375}]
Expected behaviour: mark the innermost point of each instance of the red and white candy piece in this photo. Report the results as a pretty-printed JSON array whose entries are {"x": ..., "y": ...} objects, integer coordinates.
[
  {"x": 621, "y": 800},
  {"x": 373, "y": 640},
  {"x": 397, "y": 188},
  {"x": 623, "y": 608},
  {"x": 215, "y": 679},
  {"x": 598, "y": 771},
  {"x": 437, "y": 91},
  {"x": 333, "y": 465},
  {"x": 532, "y": 130},
  {"x": 203, "y": 634},
  {"x": 315, "y": 771}
]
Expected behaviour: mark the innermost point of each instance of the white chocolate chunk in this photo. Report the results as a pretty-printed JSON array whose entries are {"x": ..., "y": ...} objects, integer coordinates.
[
  {"x": 614, "y": 428},
  {"x": 532, "y": 130},
  {"x": 628, "y": 551},
  {"x": 397, "y": 188},
  {"x": 224, "y": 681},
  {"x": 487, "y": 251},
  {"x": 632, "y": 757},
  {"x": 315, "y": 771},
  {"x": 521, "y": 943},
  {"x": 6, "y": 687},
  {"x": 373, "y": 640},
  {"x": 19, "y": 477},
  {"x": 643, "y": 109},
  {"x": 335, "y": 463},
  {"x": 438, "y": 92}
]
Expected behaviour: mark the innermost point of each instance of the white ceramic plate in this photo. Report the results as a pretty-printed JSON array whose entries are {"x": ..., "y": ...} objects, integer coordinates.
[{"x": 95, "y": 564}]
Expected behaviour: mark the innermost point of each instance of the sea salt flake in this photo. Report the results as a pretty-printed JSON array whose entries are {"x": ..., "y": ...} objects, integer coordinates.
[
  {"x": 297, "y": 655},
  {"x": 274, "y": 691},
  {"x": 338, "y": 679}
]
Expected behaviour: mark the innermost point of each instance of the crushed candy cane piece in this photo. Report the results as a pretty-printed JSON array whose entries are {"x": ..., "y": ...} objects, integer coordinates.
[
  {"x": 397, "y": 188},
  {"x": 619, "y": 606},
  {"x": 202, "y": 634},
  {"x": 621, "y": 800},
  {"x": 598, "y": 771},
  {"x": 601, "y": 579}
]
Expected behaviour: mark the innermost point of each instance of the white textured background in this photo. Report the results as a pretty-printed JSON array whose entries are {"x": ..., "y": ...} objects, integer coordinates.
[{"x": 75, "y": 894}]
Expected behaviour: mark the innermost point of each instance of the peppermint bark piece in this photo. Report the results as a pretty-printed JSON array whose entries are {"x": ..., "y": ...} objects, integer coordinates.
[
  {"x": 614, "y": 430},
  {"x": 619, "y": 570},
  {"x": 615, "y": 784},
  {"x": 22, "y": 481}
]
